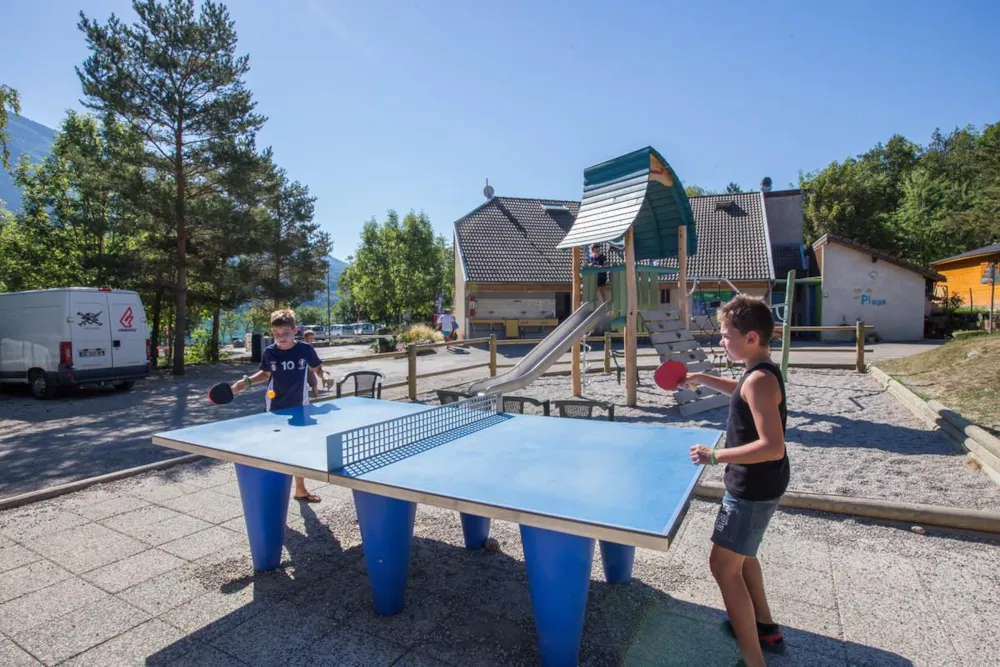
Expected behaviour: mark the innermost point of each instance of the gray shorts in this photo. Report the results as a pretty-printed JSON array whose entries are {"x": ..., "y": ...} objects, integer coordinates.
[{"x": 740, "y": 524}]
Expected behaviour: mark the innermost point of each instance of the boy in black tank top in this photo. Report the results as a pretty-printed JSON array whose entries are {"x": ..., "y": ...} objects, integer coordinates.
[{"x": 757, "y": 472}]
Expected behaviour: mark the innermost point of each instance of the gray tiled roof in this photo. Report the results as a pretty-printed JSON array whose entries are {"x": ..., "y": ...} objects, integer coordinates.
[
  {"x": 985, "y": 250},
  {"x": 511, "y": 240}
]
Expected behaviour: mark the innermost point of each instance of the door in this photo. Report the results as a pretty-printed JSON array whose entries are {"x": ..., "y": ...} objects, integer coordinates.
[
  {"x": 564, "y": 305},
  {"x": 91, "y": 332},
  {"x": 128, "y": 334}
]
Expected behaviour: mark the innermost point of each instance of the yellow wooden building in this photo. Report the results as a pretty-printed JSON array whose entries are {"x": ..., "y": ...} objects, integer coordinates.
[{"x": 964, "y": 275}]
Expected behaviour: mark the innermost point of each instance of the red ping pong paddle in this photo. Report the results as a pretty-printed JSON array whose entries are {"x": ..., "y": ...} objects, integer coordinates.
[
  {"x": 221, "y": 394},
  {"x": 670, "y": 374}
]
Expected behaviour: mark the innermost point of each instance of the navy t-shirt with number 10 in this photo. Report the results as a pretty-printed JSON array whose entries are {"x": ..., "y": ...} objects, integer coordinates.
[{"x": 289, "y": 371}]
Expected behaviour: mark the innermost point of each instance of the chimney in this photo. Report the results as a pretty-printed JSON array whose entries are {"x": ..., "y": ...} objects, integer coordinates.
[{"x": 765, "y": 184}]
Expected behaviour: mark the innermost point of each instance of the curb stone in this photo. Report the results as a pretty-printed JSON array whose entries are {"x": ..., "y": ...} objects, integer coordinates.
[
  {"x": 70, "y": 487},
  {"x": 981, "y": 445}
]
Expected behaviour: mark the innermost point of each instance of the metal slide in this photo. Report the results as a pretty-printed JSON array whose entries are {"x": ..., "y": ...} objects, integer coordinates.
[{"x": 546, "y": 353}]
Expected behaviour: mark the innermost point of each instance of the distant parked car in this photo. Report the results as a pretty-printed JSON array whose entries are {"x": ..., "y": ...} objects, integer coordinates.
[{"x": 364, "y": 329}]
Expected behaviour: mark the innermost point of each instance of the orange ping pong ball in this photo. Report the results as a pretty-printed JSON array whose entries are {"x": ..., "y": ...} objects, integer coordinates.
[{"x": 270, "y": 393}]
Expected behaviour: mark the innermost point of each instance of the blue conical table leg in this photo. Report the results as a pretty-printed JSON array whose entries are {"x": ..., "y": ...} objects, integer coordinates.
[
  {"x": 386, "y": 537},
  {"x": 618, "y": 560},
  {"x": 475, "y": 530},
  {"x": 264, "y": 494},
  {"x": 558, "y": 577}
]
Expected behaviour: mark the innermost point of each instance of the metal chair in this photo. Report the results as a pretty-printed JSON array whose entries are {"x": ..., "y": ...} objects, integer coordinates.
[
  {"x": 446, "y": 396},
  {"x": 620, "y": 367},
  {"x": 583, "y": 409},
  {"x": 366, "y": 383},
  {"x": 515, "y": 404}
]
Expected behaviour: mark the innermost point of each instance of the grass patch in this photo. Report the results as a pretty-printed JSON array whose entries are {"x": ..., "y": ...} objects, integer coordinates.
[
  {"x": 962, "y": 374},
  {"x": 420, "y": 333}
]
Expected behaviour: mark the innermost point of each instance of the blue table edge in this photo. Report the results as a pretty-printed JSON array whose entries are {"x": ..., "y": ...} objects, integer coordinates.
[{"x": 625, "y": 536}]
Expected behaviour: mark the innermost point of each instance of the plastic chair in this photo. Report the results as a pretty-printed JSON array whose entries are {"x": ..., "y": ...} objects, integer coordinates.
[
  {"x": 515, "y": 404},
  {"x": 446, "y": 396},
  {"x": 583, "y": 409},
  {"x": 366, "y": 383}
]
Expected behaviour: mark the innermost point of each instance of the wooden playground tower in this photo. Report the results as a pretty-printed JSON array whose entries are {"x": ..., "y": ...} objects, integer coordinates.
[{"x": 636, "y": 200}]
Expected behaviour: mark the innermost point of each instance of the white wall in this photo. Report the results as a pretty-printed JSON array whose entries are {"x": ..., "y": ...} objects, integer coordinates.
[
  {"x": 495, "y": 305},
  {"x": 882, "y": 294}
]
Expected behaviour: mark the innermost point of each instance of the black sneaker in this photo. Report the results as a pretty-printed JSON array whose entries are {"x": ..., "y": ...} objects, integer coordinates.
[{"x": 769, "y": 635}]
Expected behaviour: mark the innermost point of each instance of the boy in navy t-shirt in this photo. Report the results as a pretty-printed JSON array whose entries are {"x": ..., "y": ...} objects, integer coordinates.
[{"x": 285, "y": 366}]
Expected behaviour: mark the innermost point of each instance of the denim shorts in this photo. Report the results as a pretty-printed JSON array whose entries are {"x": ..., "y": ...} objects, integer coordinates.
[{"x": 740, "y": 524}]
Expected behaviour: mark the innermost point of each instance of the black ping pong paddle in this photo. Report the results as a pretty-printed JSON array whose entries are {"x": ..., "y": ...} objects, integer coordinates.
[{"x": 221, "y": 394}]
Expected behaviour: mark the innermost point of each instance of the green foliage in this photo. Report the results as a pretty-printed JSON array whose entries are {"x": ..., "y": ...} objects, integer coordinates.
[
  {"x": 79, "y": 224},
  {"x": 733, "y": 188},
  {"x": 9, "y": 100},
  {"x": 310, "y": 315},
  {"x": 293, "y": 263},
  {"x": 175, "y": 78},
  {"x": 399, "y": 269},
  {"x": 697, "y": 191},
  {"x": 921, "y": 203}
]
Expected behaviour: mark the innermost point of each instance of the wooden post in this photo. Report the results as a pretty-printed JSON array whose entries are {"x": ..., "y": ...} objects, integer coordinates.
[
  {"x": 631, "y": 316},
  {"x": 860, "y": 333},
  {"x": 682, "y": 276},
  {"x": 994, "y": 267},
  {"x": 493, "y": 355},
  {"x": 576, "y": 298},
  {"x": 786, "y": 323},
  {"x": 607, "y": 351},
  {"x": 411, "y": 376}
]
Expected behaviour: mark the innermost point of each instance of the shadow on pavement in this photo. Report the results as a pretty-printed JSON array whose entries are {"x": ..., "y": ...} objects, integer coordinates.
[{"x": 462, "y": 608}]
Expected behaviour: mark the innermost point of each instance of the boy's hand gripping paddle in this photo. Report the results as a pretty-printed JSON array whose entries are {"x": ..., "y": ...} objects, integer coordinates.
[{"x": 670, "y": 374}]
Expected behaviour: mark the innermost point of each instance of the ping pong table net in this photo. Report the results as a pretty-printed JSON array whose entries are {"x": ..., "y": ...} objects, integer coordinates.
[{"x": 374, "y": 445}]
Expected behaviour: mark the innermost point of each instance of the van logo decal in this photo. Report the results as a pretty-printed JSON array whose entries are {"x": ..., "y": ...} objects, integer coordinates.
[
  {"x": 90, "y": 319},
  {"x": 126, "y": 319}
]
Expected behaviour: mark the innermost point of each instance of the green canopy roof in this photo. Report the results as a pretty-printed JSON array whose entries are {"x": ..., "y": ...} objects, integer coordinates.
[{"x": 637, "y": 190}]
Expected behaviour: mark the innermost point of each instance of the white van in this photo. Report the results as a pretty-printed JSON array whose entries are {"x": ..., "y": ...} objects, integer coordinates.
[{"x": 73, "y": 336}]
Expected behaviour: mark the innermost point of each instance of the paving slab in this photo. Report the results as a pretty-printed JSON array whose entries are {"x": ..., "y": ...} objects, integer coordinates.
[
  {"x": 198, "y": 545},
  {"x": 207, "y": 505},
  {"x": 46, "y": 604},
  {"x": 86, "y": 547},
  {"x": 164, "y": 592},
  {"x": 25, "y": 523},
  {"x": 283, "y": 633},
  {"x": 155, "y": 524},
  {"x": 74, "y": 633},
  {"x": 116, "y": 504},
  {"x": 133, "y": 570},
  {"x": 29, "y": 578},
  {"x": 152, "y": 638},
  {"x": 13, "y": 555},
  {"x": 346, "y": 647},
  {"x": 12, "y": 655}
]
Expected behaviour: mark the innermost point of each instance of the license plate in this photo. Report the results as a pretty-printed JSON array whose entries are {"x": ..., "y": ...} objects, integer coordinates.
[{"x": 94, "y": 352}]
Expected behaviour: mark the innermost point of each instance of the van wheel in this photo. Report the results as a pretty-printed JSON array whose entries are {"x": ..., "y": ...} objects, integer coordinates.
[
  {"x": 125, "y": 386},
  {"x": 41, "y": 388}
]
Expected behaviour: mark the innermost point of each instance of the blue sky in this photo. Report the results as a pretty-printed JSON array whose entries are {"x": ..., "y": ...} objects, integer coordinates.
[{"x": 381, "y": 104}]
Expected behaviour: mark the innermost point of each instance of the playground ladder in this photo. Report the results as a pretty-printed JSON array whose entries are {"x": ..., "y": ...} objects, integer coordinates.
[{"x": 672, "y": 339}]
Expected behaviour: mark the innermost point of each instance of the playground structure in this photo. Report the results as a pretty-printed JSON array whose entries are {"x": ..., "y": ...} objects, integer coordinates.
[{"x": 636, "y": 201}]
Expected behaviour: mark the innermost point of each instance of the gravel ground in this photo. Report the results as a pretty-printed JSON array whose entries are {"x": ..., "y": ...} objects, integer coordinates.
[{"x": 846, "y": 436}]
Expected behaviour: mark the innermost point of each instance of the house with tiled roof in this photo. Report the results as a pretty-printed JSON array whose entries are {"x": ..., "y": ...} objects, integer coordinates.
[{"x": 511, "y": 279}]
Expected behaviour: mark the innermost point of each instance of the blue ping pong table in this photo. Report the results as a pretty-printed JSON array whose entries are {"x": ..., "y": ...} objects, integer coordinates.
[{"x": 566, "y": 482}]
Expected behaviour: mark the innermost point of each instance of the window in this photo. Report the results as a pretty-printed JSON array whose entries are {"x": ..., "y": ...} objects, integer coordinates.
[{"x": 664, "y": 296}]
